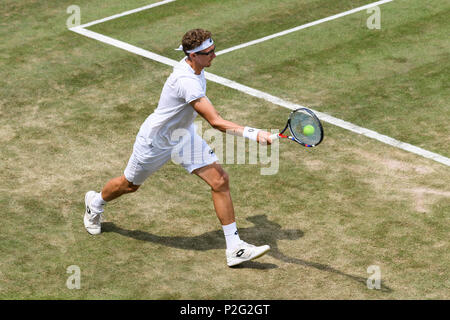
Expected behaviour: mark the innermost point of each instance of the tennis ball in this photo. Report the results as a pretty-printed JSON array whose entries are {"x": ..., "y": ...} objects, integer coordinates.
[{"x": 308, "y": 130}]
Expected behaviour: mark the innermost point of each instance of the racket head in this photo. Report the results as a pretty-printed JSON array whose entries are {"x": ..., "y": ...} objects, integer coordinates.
[{"x": 298, "y": 120}]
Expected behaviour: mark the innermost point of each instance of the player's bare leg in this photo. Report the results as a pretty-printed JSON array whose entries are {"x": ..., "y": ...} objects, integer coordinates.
[
  {"x": 237, "y": 251},
  {"x": 116, "y": 187},
  {"x": 94, "y": 201},
  {"x": 218, "y": 180}
]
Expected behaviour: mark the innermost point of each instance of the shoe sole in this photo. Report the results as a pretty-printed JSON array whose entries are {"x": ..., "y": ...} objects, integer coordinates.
[{"x": 252, "y": 258}]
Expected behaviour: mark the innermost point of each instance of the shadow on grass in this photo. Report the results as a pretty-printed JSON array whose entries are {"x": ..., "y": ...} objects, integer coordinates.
[{"x": 264, "y": 232}]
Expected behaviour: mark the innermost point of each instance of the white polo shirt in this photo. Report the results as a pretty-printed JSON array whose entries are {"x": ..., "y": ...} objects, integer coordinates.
[{"x": 173, "y": 112}]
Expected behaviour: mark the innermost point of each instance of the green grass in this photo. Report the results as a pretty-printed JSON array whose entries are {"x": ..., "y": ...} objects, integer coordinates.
[
  {"x": 70, "y": 108},
  {"x": 391, "y": 80}
]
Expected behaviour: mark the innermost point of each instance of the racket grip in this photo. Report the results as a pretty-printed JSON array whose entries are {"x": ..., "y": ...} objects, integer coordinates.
[{"x": 274, "y": 137}]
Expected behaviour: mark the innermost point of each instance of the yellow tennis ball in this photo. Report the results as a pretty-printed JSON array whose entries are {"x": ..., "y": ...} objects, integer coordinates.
[{"x": 308, "y": 130}]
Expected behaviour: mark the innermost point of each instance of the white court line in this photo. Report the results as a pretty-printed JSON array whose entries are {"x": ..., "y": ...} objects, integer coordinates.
[
  {"x": 119, "y": 15},
  {"x": 267, "y": 97},
  {"x": 254, "y": 92},
  {"x": 123, "y": 45},
  {"x": 310, "y": 24},
  {"x": 330, "y": 119}
]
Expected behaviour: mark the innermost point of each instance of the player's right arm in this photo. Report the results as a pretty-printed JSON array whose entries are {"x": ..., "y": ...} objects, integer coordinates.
[{"x": 205, "y": 108}]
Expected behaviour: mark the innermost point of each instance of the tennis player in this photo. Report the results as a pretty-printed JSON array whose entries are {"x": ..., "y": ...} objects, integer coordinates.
[{"x": 183, "y": 97}]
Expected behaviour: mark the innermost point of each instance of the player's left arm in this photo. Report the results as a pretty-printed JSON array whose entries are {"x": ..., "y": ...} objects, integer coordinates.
[{"x": 205, "y": 108}]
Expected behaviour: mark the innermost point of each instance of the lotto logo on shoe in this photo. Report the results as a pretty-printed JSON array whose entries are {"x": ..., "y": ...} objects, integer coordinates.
[{"x": 240, "y": 253}]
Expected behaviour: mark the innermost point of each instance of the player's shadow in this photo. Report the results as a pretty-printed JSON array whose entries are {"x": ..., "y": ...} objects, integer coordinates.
[{"x": 263, "y": 232}]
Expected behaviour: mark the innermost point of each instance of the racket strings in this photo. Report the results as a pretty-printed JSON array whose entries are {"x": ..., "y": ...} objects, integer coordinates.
[{"x": 300, "y": 121}]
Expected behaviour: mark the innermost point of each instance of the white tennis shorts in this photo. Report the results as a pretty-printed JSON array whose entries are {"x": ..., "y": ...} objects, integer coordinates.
[{"x": 191, "y": 153}]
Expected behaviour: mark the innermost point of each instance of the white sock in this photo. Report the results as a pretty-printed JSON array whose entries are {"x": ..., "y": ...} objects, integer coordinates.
[
  {"x": 231, "y": 235},
  {"x": 98, "y": 202}
]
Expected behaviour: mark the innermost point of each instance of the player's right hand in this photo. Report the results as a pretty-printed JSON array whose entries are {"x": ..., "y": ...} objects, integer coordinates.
[{"x": 264, "y": 138}]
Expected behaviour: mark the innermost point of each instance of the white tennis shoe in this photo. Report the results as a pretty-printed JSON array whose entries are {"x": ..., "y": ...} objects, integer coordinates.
[
  {"x": 92, "y": 219},
  {"x": 245, "y": 252}
]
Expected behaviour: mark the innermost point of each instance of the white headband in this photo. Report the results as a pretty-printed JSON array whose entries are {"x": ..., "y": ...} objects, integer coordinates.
[{"x": 205, "y": 44}]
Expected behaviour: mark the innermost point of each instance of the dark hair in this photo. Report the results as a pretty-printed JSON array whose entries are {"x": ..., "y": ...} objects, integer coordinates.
[{"x": 193, "y": 38}]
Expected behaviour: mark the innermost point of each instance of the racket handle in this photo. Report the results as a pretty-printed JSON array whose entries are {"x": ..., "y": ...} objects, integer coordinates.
[{"x": 274, "y": 137}]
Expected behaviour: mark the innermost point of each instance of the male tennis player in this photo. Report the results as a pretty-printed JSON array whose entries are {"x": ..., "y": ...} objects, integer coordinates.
[{"x": 183, "y": 97}]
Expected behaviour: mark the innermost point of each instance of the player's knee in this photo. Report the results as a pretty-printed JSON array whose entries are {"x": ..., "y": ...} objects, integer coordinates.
[
  {"x": 221, "y": 183},
  {"x": 128, "y": 186},
  {"x": 132, "y": 188}
]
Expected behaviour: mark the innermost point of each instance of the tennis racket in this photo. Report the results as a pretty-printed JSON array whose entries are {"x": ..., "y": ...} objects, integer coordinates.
[{"x": 304, "y": 126}]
